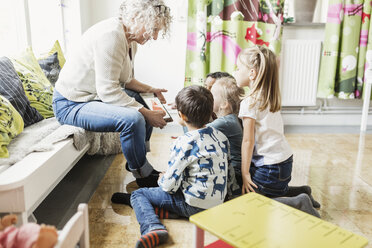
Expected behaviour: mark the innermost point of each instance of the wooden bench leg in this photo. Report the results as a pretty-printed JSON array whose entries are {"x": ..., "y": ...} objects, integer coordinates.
[{"x": 198, "y": 237}]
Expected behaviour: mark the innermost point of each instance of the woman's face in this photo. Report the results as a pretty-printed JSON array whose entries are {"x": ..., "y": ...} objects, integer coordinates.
[
  {"x": 242, "y": 74},
  {"x": 141, "y": 37}
]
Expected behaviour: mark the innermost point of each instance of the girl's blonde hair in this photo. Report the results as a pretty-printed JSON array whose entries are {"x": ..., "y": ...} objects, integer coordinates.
[
  {"x": 230, "y": 92},
  {"x": 151, "y": 14},
  {"x": 265, "y": 88}
]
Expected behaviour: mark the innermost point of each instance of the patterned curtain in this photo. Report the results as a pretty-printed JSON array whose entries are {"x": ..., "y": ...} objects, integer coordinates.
[
  {"x": 219, "y": 29},
  {"x": 347, "y": 50}
]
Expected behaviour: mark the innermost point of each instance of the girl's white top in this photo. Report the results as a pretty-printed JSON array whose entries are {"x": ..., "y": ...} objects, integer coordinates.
[{"x": 270, "y": 143}]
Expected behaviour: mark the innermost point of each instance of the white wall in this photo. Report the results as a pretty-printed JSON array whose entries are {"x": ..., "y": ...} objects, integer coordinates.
[{"x": 159, "y": 63}]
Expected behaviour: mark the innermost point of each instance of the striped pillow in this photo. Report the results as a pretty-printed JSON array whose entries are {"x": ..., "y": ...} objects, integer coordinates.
[{"x": 11, "y": 88}]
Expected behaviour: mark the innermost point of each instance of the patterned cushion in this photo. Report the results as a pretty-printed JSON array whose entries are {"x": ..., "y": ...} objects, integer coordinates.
[
  {"x": 37, "y": 87},
  {"x": 51, "y": 68},
  {"x": 11, "y": 124},
  {"x": 11, "y": 88},
  {"x": 56, "y": 49}
]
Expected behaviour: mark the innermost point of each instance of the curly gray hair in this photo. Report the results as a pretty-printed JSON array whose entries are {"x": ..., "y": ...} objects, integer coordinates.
[{"x": 152, "y": 14}]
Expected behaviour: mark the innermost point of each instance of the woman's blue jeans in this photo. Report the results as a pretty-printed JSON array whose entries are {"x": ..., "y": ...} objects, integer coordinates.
[{"x": 97, "y": 116}]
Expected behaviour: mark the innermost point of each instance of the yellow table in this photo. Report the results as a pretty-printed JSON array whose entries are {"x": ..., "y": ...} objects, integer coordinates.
[{"x": 256, "y": 221}]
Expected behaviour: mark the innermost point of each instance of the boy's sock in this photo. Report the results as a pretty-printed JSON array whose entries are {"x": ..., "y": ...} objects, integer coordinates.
[
  {"x": 297, "y": 190},
  {"x": 121, "y": 198},
  {"x": 165, "y": 214},
  {"x": 152, "y": 239}
]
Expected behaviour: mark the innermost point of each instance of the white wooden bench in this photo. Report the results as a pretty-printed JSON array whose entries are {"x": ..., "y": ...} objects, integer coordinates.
[{"x": 24, "y": 185}]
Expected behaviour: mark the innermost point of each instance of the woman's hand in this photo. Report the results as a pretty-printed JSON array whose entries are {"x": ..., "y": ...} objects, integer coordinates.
[
  {"x": 248, "y": 184},
  {"x": 154, "y": 118},
  {"x": 159, "y": 94}
]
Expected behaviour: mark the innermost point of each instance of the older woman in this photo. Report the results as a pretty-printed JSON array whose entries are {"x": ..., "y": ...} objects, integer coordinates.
[{"x": 97, "y": 91}]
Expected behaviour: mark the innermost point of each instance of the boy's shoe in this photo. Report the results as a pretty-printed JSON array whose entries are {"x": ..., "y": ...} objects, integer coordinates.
[{"x": 148, "y": 182}]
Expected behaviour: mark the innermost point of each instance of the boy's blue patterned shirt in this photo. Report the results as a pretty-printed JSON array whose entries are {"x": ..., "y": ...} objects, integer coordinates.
[{"x": 198, "y": 165}]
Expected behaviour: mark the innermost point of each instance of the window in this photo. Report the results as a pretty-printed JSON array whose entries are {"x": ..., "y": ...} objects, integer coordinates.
[
  {"x": 12, "y": 27},
  {"x": 45, "y": 23},
  {"x": 29, "y": 22}
]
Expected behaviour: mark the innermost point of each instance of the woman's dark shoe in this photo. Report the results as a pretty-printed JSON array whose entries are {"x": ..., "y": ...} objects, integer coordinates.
[
  {"x": 148, "y": 182},
  {"x": 121, "y": 198},
  {"x": 154, "y": 172}
]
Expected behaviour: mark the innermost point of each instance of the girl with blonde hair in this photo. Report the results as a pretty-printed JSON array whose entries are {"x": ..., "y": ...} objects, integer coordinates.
[
  {"x": 227, "y": 97},
  {"x": 266, "y": 155}
]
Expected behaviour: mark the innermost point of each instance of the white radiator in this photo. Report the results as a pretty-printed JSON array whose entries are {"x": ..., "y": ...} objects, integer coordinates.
[{"x": 299, "y": 70}]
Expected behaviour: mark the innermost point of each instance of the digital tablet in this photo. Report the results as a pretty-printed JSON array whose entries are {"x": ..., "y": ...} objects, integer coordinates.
[{"x": 154, "y": 104}]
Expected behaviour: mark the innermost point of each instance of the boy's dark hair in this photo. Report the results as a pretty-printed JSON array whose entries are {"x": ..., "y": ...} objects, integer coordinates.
[
  {"x": 196, "y": 103},
  {"x": 219, "y": 74}
]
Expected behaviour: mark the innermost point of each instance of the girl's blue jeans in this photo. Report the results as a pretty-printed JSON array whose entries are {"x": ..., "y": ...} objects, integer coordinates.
[
  {"x": 271, "y": 180},
  {"x": 144, "y": 200},
  {"x": 97, "y": 116}
]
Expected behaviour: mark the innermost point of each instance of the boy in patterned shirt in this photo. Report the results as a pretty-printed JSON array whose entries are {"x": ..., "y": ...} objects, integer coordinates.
[{"x": 197, "y": 173}]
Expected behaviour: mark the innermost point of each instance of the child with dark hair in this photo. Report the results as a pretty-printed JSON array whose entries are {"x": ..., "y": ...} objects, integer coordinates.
[
  {"x": 197, "y": 173},
  {"x": 211, "y": 78}
]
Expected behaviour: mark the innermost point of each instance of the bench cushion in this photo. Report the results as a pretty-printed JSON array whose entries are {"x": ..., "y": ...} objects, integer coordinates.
[{"x": 29, "y": 141}]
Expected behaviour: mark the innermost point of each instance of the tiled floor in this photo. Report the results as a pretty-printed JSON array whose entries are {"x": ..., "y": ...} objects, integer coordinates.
[{"x": 338, "y": 167}]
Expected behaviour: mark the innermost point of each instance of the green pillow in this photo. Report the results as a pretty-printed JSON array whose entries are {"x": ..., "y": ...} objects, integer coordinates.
[
  {"x": 38, "y": 89},
  {"x": 11, "y": 124}
]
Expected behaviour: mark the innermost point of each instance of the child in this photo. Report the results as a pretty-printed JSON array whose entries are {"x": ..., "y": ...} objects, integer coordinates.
[
  {"x": 197, "y": 173},
  {"x": 227, "y": 96},
  {"x": 211, "y": 78},
  {"x": 266, "y": 156},
  {"x": 208, "y": 83},
  {"x": 29, "y": 235}
]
